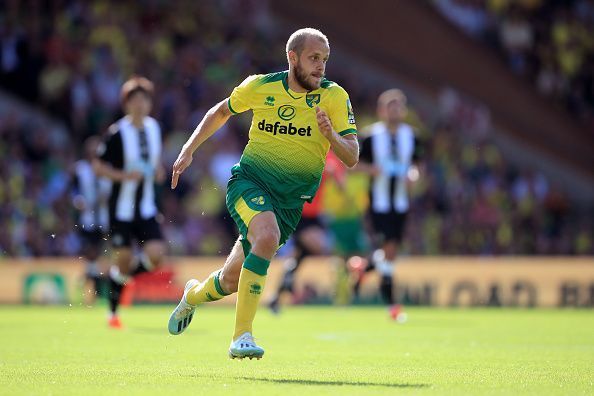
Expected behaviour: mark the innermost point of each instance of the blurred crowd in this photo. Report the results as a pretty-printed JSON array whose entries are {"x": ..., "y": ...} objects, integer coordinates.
[
  {"x": 69, "y": 58},
  {"x": 549, "y": 42}
]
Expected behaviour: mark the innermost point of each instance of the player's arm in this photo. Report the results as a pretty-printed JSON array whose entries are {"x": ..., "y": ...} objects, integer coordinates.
[
  {"x": 78, "y": 199},
  {"x": 365, "y": 164},
  {"x": 110, "y": 160},
  {"x": 104, "y": 169},
  {"x": 214, "y": 119},
  {"x": 345, "y": 147}
]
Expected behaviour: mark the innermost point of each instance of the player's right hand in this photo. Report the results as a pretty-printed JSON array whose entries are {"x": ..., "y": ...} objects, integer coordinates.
[{"x": 184, "y": 159}]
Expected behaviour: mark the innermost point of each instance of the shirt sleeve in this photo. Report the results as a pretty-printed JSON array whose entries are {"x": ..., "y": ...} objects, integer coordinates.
[
  {"x": 366, "y": 155},
  {"x": 239, "y": 100},
  {"x": 111, "y": 149},
  {"x": 341, "y": 113}
]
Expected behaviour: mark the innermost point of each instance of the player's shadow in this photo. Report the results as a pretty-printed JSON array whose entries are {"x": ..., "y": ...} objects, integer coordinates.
[{"x": 332, "y": 383}]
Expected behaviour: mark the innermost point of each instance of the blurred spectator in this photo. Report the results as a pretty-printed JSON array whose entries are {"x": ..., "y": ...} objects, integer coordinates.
[{"x": 551, "y": 42}]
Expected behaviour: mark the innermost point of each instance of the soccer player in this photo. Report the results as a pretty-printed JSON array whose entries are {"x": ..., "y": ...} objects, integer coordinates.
[
  {"x": 89, "y": 197},
  {"x": 298, "y": 116},
  {"x": 386, "y": 155},
  {"x": 131, "y": 158}
]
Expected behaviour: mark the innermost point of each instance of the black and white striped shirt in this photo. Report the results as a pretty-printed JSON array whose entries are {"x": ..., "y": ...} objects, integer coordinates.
[
  {"x": 392, "y": 153},
  {"x": 94, "y": 192},
  {"x": 133, "y": 149}
]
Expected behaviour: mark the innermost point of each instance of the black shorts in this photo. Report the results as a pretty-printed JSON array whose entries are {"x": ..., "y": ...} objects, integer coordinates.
[
  {"x": 144, "y": 230},
  {"x": 91, "y": 238},
  {"x": 307, "y": 222},
  {"x": 388, "y": 226}
]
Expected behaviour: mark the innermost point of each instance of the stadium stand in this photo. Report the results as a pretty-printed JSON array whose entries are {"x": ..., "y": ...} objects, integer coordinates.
[{"x": 68, "y": 59}]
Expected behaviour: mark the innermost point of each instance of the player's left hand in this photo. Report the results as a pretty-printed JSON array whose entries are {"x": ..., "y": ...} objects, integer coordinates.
[
  {"x": 324, "y": 123},
  {"x": 184, "y": 159}
]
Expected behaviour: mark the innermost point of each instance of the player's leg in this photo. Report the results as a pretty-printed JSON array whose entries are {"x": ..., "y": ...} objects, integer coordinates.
[
  {"x": 385, "y": 260},
  {"x": 264, "y": 237},
  {"x": 148, "y": 234},
  {"x": 363, "y": 265},
  {"x": 219, "y": 284},
  {"x": 91, "y": 250},
  {"x": 154, "y": 250},
  {"x": 121, "y": 257},
  {"x": 309, "y": 240}
]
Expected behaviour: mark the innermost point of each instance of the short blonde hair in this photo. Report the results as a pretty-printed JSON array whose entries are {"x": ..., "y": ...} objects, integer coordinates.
[{"x": 298, "y": 38}]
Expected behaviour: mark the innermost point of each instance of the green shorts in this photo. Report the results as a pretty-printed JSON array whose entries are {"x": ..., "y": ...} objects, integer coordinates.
[
  {"x": 245, "y": 199},
  {"x": 349, "y": 235}
]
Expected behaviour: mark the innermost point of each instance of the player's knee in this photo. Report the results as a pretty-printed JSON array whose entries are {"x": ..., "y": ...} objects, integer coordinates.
[
  {"x": 266, "y": 242},
  {"x": 391, "y": 250},
  {"x": 155, "y": 253},
  {"x": 155, "y": 260},
  {"x": 123, "y": 258},
  {"x": 92, "y": 254}
]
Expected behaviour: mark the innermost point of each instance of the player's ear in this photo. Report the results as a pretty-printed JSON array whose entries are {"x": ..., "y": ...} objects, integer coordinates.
[{"x": 293, "y": 58}]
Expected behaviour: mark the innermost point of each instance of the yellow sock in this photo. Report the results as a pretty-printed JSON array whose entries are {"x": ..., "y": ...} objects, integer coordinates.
[
  {"x": 209, "y": 290},
  {"x": 251, "y": 285}
]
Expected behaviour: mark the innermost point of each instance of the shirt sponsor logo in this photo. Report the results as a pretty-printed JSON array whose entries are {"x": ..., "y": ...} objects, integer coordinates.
[
  {"x": 282, "y": 129},
  {"x": 287, "y": 112}
]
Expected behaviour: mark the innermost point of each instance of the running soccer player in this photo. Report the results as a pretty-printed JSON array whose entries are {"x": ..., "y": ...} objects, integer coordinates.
[
  {"x": 90, "y": 194},
  {"x": 386, "y": 156},
  {"x": 298, "y": 116},
  {"x": 131, "y": 158}
]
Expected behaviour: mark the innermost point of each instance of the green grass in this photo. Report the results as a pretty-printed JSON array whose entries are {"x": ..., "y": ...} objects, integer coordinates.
[{"x": 313, "y": 351}]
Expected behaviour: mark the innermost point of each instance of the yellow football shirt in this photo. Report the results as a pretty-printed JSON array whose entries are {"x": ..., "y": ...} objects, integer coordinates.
[{"x": 286, "y": 151}]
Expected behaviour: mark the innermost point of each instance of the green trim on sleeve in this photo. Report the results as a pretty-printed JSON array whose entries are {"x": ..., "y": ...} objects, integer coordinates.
[
  {"x": 327, "y": 83},
  {"x": 273, "y": 77},
  {"x": 229, "y": 105},
  {"x": 350, "y": 131}
]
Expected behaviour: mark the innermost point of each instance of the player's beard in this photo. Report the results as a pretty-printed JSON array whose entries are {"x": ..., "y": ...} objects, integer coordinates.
[{"x": 301, "y": 77}]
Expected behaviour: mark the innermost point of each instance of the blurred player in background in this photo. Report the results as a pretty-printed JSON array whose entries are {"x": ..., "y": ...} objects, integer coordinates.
[
  {"x": 310, "y": 236},
  {"x": 90, "y": 194},
  {"x": 131, "y": 158},
  {"x": 298, "y": 116},
  {"x": 386, "y": 155}
]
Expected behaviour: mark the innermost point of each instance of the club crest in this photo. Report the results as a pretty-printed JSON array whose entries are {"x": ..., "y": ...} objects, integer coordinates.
[{"x": 312, "y": 99}]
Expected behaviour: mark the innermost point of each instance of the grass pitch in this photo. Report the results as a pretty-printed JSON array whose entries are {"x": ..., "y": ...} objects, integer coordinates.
[{"x": 309, "y": 351}]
